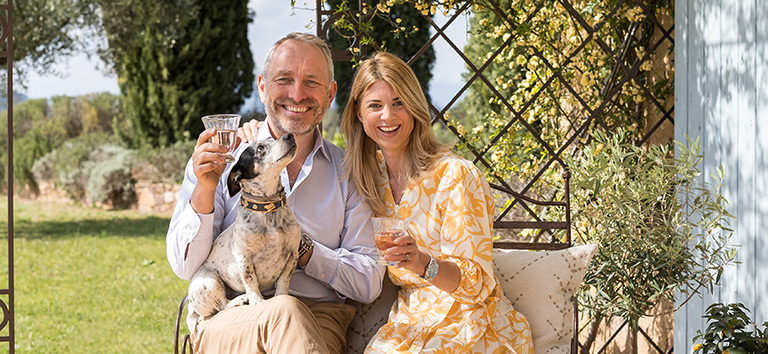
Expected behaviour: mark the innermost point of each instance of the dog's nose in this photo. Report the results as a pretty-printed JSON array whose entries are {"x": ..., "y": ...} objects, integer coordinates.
[{"x": 288, "y": 137}]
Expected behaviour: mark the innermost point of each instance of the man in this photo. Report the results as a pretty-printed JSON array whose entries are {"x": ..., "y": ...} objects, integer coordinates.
[{"x": 338, "y": 262}]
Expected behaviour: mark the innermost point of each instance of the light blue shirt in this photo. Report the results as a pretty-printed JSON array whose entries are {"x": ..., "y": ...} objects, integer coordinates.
[{"x": 328, "y": 207}]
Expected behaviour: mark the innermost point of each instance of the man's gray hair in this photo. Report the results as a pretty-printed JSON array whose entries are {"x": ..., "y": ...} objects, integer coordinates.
[{"x": 305, "y": 38}]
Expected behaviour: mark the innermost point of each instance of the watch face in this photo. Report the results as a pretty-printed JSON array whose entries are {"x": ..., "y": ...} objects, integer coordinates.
[
  {"x": 432, "y": 269},
  {"x": 305, "y": 244}
]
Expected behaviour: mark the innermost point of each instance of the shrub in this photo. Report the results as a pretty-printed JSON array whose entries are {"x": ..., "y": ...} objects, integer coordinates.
[
  {"x": 163, "y": 165},
  {"x": 103, "y": 111},
  {"x": 41, "y": 126},
  {"x": 64, "y": 165},
  {"x": 109, "y": 176},
  {"x": 86, "y": 114},
  {"x": 34, "y": 144},
  {"x": 95, "y": 169},
  {"x": 30, "y": 117},
  {"x": 729, "y": 332},
  {"x": 90, "y": 168}
]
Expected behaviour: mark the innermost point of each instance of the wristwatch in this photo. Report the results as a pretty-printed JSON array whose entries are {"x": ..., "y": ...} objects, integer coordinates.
[
  {"x": 432, "y": 269},
  {"x": 305, "y": 244}
]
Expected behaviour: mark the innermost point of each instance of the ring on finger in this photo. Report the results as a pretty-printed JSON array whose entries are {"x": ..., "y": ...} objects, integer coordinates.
[{"x": 407, "y": 257}]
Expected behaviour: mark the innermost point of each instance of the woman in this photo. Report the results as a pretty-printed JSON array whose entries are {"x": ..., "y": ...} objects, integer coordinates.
[{"x": 449, "y": 300}]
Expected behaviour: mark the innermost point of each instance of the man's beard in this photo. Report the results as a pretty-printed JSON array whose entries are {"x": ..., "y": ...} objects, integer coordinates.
[{"x": 292, "y": 125}]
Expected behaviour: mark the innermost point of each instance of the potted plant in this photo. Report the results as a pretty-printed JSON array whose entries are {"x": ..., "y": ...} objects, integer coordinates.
[{"x": 661, "y": 230}]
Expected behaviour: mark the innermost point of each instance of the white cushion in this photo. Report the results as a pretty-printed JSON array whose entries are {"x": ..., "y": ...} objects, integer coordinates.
[{"x": 542, "y": 285}]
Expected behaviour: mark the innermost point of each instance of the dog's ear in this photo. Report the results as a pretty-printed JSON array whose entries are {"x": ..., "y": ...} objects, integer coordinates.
[
  {"x": 233, "y": 179},
  {"x": 238, "y": 170}
]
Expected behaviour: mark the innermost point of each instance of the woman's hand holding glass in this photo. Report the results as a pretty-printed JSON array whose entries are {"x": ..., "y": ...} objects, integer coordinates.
[{"x": 396, "y": 247}]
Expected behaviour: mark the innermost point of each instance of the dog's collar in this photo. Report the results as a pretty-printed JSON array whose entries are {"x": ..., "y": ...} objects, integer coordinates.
[{"x": 263, "y": 204}]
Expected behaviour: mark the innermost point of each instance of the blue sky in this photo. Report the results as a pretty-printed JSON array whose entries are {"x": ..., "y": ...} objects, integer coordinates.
[{"x": 274, "y": 19}]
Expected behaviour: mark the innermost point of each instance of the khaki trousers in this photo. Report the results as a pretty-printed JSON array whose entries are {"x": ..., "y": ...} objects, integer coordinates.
[{"x": 282, "y": 324}]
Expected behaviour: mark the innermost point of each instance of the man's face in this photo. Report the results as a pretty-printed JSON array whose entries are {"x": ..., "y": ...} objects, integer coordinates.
[{"x": 296, "y": 91}]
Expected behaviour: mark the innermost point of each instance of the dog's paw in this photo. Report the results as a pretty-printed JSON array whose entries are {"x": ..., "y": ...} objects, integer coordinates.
[
  {"x": 255, "y": 299},
  {"x": 238, "y": 301}
]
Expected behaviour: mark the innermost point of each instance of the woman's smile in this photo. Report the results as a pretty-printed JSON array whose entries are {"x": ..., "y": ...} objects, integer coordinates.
[{"x": 389, "y": 129}]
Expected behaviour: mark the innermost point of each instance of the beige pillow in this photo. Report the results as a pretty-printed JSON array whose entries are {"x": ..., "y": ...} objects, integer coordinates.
[{"x": 541, "y": 285}]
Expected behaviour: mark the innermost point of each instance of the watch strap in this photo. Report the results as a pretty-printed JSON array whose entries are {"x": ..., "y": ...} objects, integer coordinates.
[{"x": 305, "y": 244}]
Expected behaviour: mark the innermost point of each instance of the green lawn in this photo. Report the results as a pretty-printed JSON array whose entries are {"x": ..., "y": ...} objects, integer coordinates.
[{"x": 89, "y": 280}]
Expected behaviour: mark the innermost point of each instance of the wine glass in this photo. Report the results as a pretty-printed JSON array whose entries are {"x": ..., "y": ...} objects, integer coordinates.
[
  {"x": 226, "y": 131},
  {"x": 386, "y": 230}
]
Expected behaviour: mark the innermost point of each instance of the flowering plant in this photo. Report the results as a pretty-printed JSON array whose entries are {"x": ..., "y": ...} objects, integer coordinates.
[{"x": 729, "y": 332}]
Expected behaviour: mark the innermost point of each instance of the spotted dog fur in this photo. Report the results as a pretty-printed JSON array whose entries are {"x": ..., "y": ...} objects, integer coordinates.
[{"x": 260, "y": 248}]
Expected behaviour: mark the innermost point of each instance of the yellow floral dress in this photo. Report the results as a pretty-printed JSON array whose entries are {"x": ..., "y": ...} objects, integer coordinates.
[{"x": 450, "y": 214}]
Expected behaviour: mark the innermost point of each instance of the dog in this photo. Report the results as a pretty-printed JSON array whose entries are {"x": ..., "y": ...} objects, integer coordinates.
[{"x": 260, "y": 249}]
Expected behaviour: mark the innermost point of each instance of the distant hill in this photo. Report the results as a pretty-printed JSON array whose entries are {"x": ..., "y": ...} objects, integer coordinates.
[{"x": 17, "y": 98}]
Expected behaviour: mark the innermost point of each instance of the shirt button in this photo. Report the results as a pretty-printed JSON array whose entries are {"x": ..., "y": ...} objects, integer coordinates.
[{"x": 322, "y": 276}]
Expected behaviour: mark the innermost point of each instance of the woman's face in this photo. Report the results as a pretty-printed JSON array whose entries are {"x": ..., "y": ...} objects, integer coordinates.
[{"x": 385, "y": 118}]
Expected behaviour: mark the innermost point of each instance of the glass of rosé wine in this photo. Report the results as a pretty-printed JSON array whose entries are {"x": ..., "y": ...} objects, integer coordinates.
[
  {"x": 226, "y": 131},
  {"x": 386, "y": 230}
]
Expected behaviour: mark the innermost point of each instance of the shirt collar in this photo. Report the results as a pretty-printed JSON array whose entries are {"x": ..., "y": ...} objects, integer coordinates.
[{"x": 319, "y": 141}]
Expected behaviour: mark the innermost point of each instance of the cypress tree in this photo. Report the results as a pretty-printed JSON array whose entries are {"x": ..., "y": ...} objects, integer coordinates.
[
  {"x": 399, "y": 45},
  {"x": 179, "y": 66}
]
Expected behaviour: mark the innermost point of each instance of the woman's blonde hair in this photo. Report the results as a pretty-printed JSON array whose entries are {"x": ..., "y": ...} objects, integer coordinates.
[{"x": 360, "y": 161}]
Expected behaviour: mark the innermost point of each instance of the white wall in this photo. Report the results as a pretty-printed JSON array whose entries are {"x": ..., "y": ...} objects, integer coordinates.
[{"x": 721, "y": 96}]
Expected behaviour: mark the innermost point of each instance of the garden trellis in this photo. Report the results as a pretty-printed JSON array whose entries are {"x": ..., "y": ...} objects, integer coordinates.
[{"x": 607, "y": 66}]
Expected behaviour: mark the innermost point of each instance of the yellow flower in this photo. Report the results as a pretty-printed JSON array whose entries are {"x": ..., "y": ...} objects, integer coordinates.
[
  {"x": 585, "y": 79},
  {"x": 461, "y": 131},
  {"x": 497, "y": 155},
  {"x": 600, "y": 147}
]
